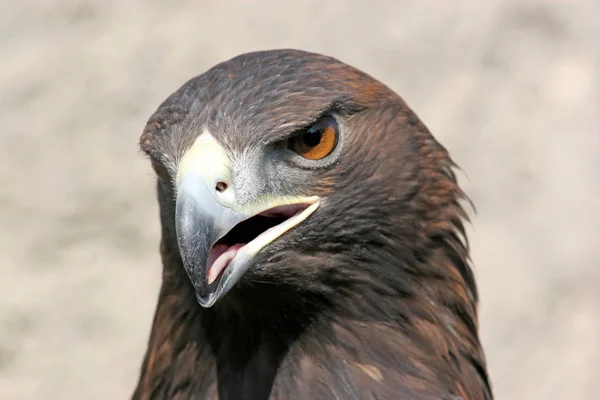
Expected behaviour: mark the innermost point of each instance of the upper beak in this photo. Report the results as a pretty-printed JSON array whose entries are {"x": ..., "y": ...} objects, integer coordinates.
[{"x": 206, "y": 210}]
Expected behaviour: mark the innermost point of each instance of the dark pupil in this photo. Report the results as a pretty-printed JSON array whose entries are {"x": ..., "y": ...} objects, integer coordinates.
[{"x": 312, "y": 137}]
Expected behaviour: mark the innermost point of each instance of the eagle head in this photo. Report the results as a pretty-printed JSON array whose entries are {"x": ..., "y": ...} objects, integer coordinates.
[{"x": 296, "y": 172}]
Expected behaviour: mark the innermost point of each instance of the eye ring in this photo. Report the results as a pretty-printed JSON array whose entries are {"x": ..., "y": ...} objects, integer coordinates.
[{"x": 318, "y": 141}]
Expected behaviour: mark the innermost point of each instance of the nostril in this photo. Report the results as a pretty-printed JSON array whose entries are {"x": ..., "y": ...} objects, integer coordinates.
[{"x": 221, "y": 186}]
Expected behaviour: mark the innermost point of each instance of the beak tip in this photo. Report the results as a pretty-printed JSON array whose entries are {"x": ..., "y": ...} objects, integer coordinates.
[{"x": 208, "y": 300}]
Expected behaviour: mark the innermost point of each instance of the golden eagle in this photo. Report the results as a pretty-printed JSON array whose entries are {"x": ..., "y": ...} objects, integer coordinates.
[{"x": 312, "y": 241}]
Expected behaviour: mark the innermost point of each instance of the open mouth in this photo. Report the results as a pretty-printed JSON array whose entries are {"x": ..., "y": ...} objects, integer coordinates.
[{"x": 255, "y": 232}]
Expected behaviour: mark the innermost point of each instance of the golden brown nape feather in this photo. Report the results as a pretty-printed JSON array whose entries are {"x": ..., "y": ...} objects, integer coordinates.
[{"x": 371, "y": 297}]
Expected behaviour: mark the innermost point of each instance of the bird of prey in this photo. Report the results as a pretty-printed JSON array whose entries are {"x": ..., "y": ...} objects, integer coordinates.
[{"x": 313, "y": 241}]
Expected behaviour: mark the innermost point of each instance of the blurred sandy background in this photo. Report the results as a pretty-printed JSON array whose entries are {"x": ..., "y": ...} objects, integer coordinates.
[{"x": 512, "y": 88}]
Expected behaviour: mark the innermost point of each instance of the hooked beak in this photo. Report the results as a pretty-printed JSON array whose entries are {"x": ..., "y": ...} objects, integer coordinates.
[{"x": 219, "y": 238}]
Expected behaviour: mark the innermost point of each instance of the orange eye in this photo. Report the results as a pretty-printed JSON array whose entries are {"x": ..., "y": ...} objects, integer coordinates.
[
  {"x": 160, "y": 170},
  {"x": 318, "y": 141}
]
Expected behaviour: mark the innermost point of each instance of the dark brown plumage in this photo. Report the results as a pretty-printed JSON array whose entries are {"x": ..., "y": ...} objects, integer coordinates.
[{"x": 371, "y": 296}]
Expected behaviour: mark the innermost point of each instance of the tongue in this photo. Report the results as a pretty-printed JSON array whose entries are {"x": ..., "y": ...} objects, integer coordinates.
[{"x": 219, "y": 258}]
